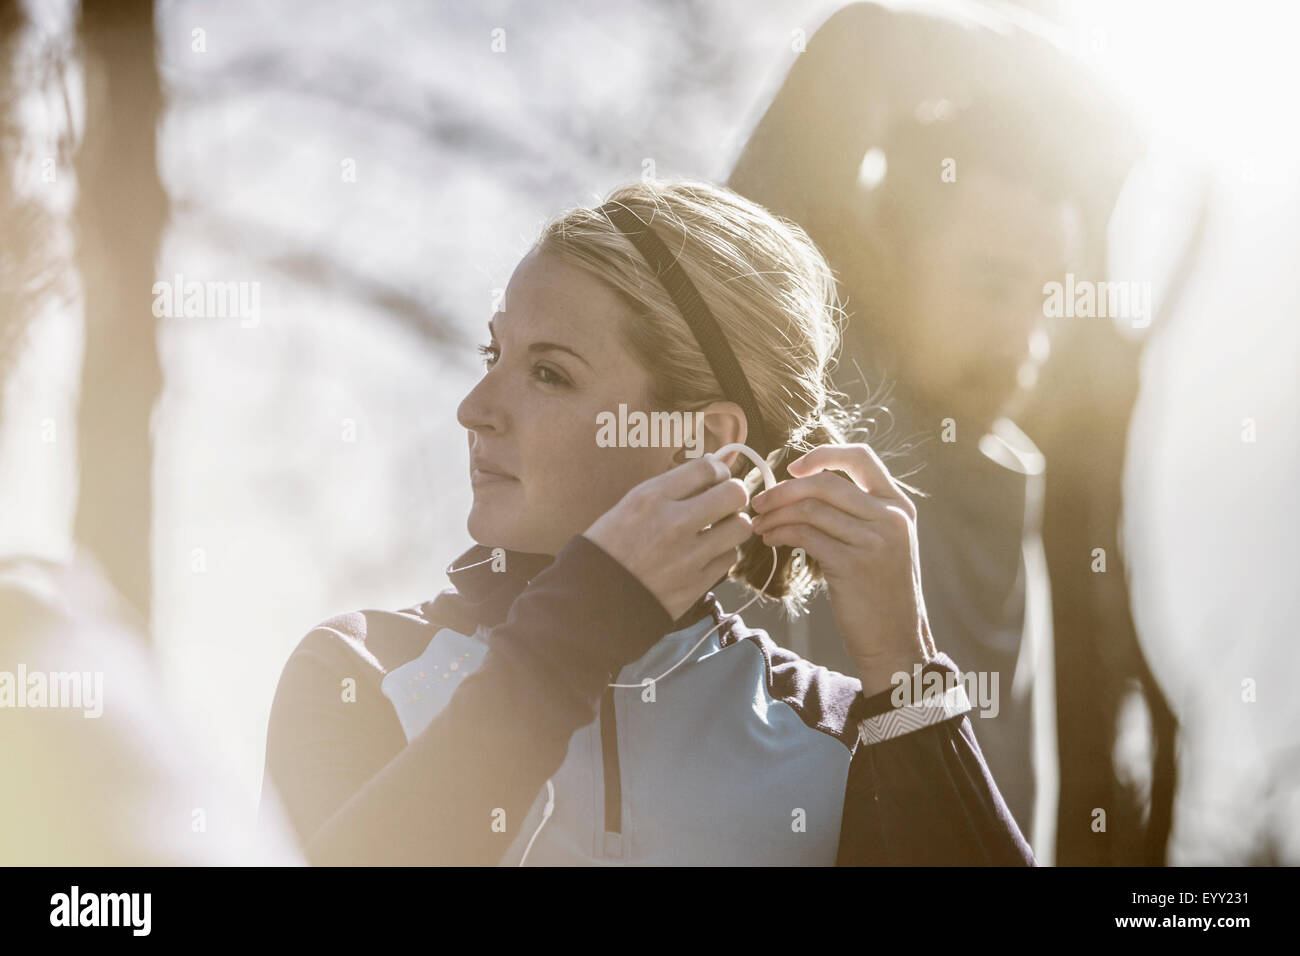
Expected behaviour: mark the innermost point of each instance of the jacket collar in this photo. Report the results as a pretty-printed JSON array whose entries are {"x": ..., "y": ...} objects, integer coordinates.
[{"x": 482, "y": 594}]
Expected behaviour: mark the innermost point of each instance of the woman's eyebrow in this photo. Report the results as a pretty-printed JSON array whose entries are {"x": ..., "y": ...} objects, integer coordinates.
[
  {"x": 556, "y": 347},
  {"x": 536, "y": 347}
]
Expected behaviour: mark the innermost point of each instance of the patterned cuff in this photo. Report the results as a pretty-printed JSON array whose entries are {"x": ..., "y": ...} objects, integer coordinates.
[{"x": 932, "y": 709}]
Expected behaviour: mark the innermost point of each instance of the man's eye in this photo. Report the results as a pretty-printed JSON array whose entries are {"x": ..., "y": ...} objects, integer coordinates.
[{"x": 489, "y": 353}]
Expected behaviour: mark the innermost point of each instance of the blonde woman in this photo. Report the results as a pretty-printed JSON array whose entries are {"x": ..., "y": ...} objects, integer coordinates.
[{"x": 579, "y": 696}]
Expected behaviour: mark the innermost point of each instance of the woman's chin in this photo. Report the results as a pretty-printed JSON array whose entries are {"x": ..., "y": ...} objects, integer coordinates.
[
  {"x": 485, "y": 528},
  {"x": 495, "y": 530},
  {"x": 490, "y": 528}
]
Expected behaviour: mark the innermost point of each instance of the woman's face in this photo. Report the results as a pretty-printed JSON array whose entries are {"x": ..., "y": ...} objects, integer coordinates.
[{"x": 555, "y": 361}]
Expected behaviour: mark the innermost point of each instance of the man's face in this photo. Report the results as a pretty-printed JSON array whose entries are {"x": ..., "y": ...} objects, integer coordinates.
[
  {"x": 970, "y": 327},
  {"x": 556, "y": 361}
]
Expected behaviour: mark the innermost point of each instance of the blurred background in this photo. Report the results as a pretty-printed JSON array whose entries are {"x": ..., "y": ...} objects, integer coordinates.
[{"x": 377, "y": 170}]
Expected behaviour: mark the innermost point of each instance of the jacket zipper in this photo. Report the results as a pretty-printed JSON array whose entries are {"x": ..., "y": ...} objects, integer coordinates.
[{"x": 609, "y": 754}]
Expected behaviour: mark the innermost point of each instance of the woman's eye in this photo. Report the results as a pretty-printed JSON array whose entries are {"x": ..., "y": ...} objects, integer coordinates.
[
  {"x": 543, "y": 373},
  {"x": 549, "y": 376}
]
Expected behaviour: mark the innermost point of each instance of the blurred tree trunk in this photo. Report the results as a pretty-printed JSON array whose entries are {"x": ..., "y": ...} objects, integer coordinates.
[
  {"x": 121, "y": 213},
  {"x": 1081, "y": 416},
  {"x": 1080, "y": 420}
]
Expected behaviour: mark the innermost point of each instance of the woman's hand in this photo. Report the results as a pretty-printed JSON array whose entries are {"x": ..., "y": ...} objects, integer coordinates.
[
  {"x": 863, "y": 534},
  {"x": 656, "y": 531}
]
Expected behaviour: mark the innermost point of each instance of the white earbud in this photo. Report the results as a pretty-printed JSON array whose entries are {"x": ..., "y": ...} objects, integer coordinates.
[
  {"x": 764, "y": 469},
  {"x": 546, "y": 815}
]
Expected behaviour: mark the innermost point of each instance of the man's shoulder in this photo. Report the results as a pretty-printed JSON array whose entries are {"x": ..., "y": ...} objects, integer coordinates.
[{"x": 959, "y": 24}]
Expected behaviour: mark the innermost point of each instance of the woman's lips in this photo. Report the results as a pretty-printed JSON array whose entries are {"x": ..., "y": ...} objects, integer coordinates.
[{"x": 481, "y": 477}]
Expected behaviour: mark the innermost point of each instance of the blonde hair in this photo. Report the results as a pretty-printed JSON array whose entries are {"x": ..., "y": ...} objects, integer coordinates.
[{"x": 774, "y": 297}]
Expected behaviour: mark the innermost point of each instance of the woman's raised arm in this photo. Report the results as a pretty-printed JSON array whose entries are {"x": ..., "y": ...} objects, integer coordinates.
[{"x": 502, "y": 735}]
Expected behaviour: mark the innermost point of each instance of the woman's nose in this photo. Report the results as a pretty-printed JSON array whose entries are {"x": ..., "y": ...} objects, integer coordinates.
[{"x": 479, "y": 410}]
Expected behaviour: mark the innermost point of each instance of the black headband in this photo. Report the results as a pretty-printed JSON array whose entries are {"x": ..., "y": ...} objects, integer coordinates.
[{"x": 716, "y": 348}]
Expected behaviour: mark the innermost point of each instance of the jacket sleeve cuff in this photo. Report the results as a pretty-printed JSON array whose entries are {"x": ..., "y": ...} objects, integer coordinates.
[{"x": 920, "y": 701}]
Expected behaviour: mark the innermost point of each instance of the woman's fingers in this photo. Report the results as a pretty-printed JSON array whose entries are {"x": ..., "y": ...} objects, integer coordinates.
[
  {"x": 861, "y": 463},
  {"x": 688, "y": 480},
  {"x": 826, "y": 485},
  {"x": 711, "y": 506},
  {"x": 823, "y": 548},
  {"x": 850, "y": 529},
  {"x": 720, "y": 566},
  {"x": 717, "y": 548},
  {"x": 723, "y": 537}
]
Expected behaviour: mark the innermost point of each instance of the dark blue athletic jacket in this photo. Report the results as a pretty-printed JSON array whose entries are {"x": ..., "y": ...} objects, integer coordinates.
[{"x": 428, "y": 736}]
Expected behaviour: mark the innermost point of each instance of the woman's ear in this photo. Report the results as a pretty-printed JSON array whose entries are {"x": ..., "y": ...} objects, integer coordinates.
[
  {"x": 721, "y": 423},
  {"x": 709, "y": 428}
]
